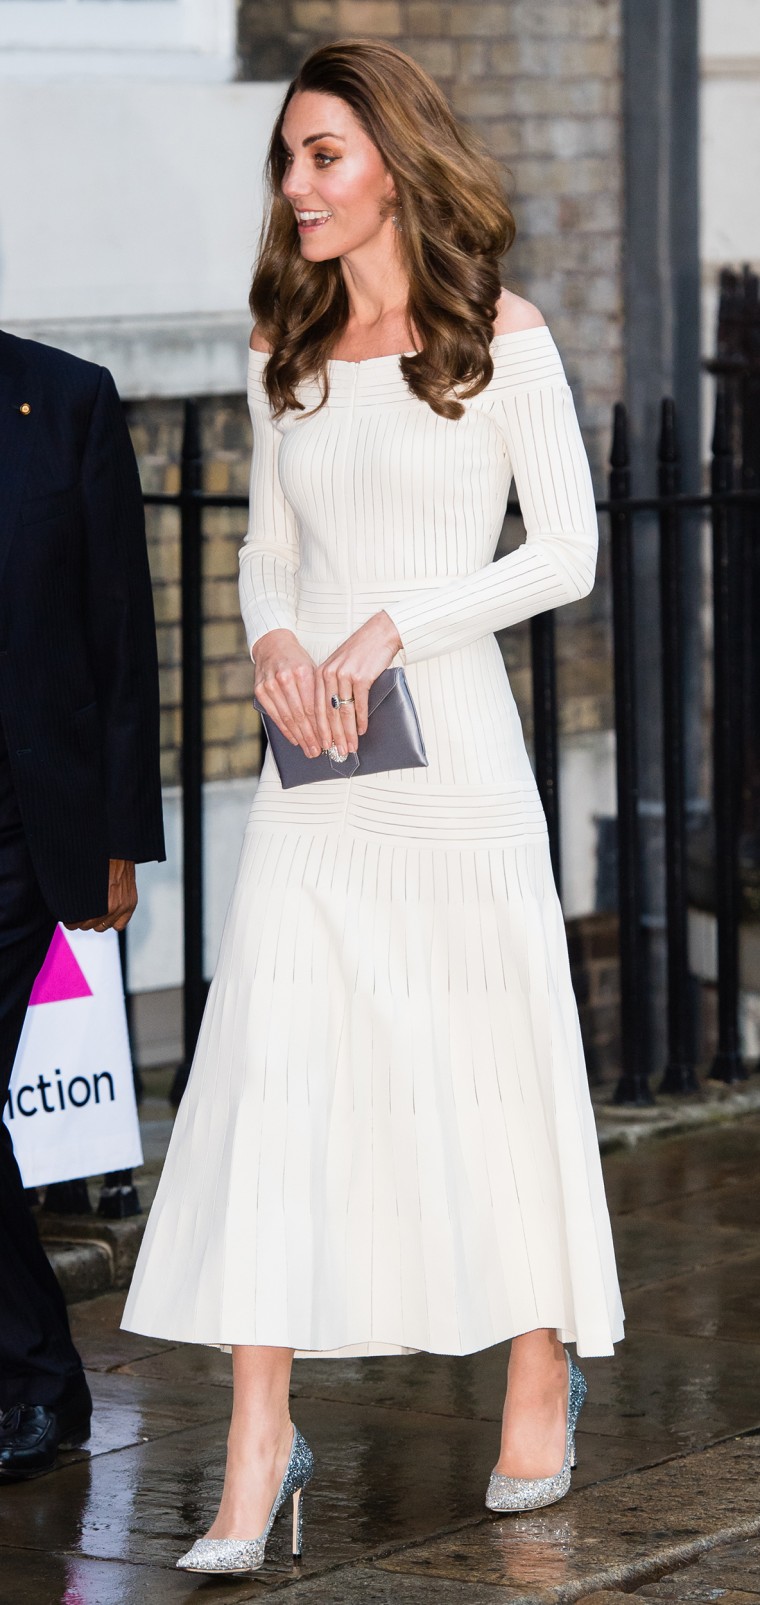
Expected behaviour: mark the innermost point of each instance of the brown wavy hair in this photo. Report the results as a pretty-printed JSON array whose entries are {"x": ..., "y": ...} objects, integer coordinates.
[{"x": 456, "y": 226}]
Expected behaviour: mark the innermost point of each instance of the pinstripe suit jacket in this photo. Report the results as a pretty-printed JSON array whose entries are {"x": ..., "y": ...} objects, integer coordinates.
[{"x": 78, "y": 665}]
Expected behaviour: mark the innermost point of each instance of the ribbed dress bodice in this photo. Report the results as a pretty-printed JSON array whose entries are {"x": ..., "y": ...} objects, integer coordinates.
[{"x": 375, "y": 501}]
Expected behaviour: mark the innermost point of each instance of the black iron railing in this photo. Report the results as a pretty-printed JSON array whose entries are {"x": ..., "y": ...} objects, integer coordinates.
[{"x": 728, "y": 510}]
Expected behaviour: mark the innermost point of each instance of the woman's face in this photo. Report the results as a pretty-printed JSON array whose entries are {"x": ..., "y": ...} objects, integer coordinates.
[{"x": 334, "y": 171}]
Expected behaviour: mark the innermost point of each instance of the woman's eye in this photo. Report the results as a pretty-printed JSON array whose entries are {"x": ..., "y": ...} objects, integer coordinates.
[{"x": 320, "y": 156}]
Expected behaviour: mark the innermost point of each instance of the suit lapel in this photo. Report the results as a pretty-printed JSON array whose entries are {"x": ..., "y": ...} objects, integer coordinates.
[{"x": 17, "y": 435}]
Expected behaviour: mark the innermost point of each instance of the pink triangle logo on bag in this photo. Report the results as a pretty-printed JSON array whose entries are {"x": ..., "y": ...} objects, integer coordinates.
[{"x": 61, "y": 977}]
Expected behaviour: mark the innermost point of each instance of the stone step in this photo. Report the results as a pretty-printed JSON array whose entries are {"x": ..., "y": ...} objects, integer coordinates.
[{"x": 90, "y": 1255}]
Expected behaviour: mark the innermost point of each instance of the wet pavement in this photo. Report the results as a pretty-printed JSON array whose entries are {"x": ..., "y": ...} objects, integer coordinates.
[{"x": 664, "y": 1504}]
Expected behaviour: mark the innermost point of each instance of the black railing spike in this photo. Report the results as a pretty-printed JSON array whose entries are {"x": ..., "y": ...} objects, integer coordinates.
[
  {"x": 720, "y": 445},
  {"x": 667, "y": 448},
  {"x": 620, "y": 453},
  {"x": 191, "y": 456}
]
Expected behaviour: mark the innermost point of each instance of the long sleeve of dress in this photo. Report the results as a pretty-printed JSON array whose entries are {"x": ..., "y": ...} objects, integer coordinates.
[
  {"x": 269, "y": 556},
  {"x": 557, "y": 561}
]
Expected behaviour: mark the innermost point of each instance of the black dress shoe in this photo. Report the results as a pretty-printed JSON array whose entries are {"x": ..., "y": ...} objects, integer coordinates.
[
  {"x": 29, "y": 1440},
  {"x": 32, "y": 1434}
]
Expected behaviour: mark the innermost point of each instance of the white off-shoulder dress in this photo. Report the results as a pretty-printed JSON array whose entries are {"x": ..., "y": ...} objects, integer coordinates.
[{"x": 387, "y": 1142}]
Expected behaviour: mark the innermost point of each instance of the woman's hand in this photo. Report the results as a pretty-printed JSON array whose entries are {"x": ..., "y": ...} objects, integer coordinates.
[
  {"x": 284, "y": 684},
  {"x": 349, "y": 672}
]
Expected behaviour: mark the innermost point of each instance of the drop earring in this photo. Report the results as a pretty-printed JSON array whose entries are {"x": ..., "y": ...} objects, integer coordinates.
[{"x": 396, "y": 219}]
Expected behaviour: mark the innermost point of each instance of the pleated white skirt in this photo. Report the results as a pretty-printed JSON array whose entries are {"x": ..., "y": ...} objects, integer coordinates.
[{"x": 387, "y": 1142}]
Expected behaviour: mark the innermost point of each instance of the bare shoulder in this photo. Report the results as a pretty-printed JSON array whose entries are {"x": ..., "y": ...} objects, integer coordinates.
[
  {"x": 514, "y": 312},
  {"x": 257, "y": 341}
]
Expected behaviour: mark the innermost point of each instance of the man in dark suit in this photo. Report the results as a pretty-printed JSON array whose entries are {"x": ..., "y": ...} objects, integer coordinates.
[{"x": 80, "y": 794}]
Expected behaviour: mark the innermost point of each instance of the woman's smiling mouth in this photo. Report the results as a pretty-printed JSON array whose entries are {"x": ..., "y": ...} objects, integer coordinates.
[{"x": 312, "y": 220}]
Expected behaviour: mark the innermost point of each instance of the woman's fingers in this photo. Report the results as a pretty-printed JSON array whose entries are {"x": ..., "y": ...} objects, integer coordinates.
[
  {"x": 287, "y": 695},
  {"x": 352, "y": 669},
  {"x": 361, "y": 709},
  {"x": 342, "y": 721},
  {"x": 284, "y": 683},
  {"x": 347, "y": 711},
  {"x": 275, "y": 704},
  {"x": 324, "y": 729},
  {"x": 349, "y": 720},
  {"x": 337, "y": 733},
  {"x": 297, "y": 687},
  {"x": 348, "y": 674}
]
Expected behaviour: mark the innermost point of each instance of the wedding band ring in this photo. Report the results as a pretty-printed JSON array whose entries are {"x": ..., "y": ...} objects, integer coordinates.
[{"x": 341, "y": 702}]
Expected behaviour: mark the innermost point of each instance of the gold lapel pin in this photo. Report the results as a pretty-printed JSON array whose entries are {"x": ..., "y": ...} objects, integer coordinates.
[{"x": 25, "y": 408}]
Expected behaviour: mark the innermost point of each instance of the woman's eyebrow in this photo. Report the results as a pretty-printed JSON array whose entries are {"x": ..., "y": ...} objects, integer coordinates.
[{"x": 312, "y": 137}]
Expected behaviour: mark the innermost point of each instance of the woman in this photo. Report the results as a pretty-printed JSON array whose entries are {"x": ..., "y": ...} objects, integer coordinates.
[{"x": 387, "y": 1142}]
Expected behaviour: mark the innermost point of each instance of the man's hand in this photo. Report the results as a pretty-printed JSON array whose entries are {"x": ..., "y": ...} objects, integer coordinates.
[{"x": 122, "y": 899}]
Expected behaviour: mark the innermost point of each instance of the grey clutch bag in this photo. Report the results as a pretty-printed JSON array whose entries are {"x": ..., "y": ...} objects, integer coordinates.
[{"x": 392, "y": 739}]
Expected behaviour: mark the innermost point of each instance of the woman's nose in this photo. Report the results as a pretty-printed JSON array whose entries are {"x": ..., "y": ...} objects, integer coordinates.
[{"x": 294, "y": 187}]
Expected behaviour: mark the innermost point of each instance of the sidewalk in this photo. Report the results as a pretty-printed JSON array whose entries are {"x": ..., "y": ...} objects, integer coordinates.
[{"x": 664, "y": 1503}]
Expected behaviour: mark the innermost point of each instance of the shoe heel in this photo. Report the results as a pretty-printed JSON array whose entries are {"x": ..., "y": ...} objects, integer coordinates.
[
  {"x": 297, "y": 1523},
  {"x": 576, "y": 1400}
]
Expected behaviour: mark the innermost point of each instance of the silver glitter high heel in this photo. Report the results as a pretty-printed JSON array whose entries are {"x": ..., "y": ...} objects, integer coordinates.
[
  {"x": 533, "y": 1493},
  {"x": 247, "y": 1554}
]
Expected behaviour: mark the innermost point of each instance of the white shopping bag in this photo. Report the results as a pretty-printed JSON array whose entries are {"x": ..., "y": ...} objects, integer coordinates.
[{"x": 72, "y": 1110}]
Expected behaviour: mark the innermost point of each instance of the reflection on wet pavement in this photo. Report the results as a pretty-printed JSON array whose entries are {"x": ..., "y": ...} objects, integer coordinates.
[
  {"x": 404, "y": 1445},
  {"x": 615, "y": 1524}
]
